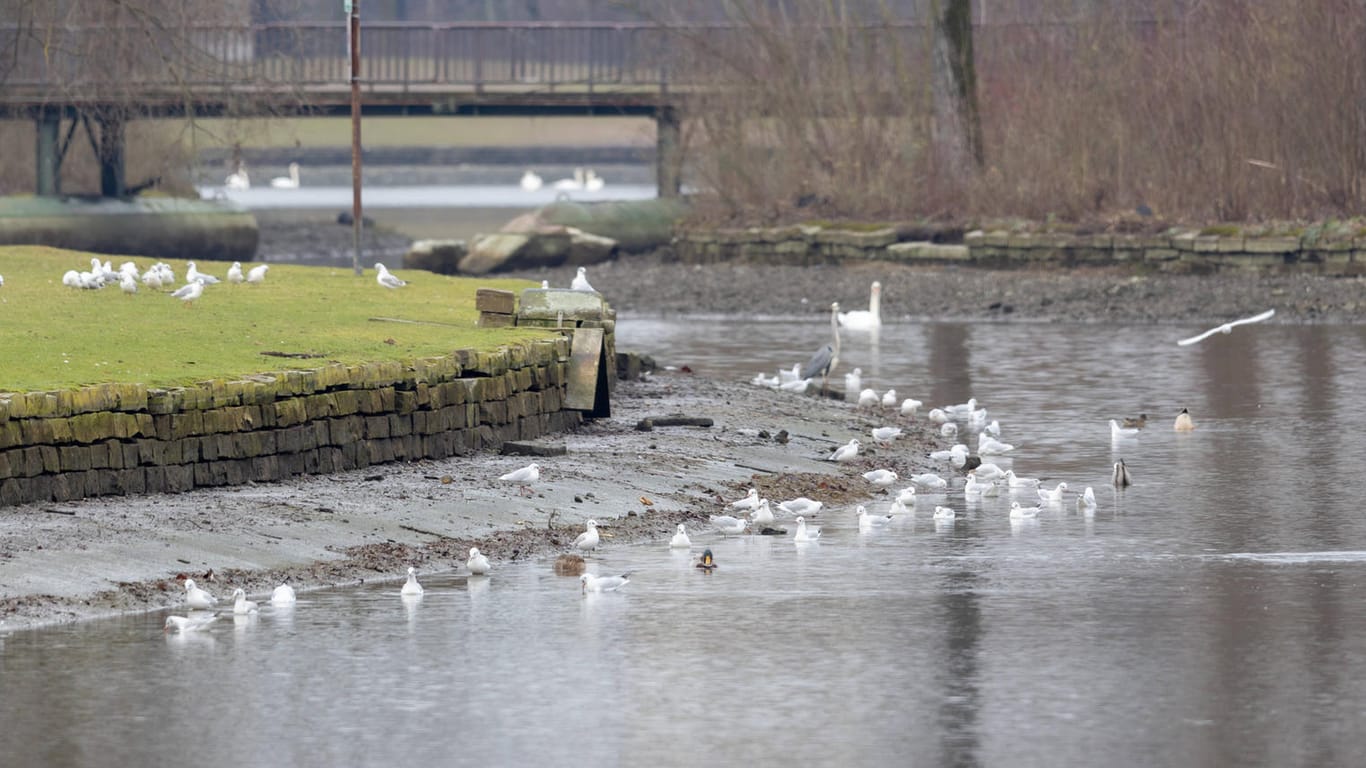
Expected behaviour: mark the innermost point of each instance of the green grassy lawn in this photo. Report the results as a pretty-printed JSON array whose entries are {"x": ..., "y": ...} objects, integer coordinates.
[{"x": 54, "y": 337}]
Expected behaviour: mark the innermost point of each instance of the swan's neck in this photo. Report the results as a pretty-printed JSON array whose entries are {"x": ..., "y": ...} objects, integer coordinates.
[{"x": 875, "y": 304}]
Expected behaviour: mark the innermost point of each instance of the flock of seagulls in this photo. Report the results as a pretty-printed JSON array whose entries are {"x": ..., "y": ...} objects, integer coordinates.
[
  {"x": 203, "y": 606},
  {"x": 157, "y": 277}
]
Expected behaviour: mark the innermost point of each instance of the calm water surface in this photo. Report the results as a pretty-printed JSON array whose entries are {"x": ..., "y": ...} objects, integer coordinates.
[{"x": 1213, "y": 614}]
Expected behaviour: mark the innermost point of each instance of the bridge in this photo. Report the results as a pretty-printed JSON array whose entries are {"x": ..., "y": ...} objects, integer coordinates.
[{"x": 98, "y": 76}]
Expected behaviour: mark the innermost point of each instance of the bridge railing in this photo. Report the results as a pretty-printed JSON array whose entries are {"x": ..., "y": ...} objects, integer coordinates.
[{"x": 302, "y": 54}]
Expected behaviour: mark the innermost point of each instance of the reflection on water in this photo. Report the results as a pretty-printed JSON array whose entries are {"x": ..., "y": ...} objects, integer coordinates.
[{"x": 1209, "y": 615}]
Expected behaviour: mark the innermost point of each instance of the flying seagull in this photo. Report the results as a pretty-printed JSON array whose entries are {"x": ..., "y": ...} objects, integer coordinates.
[{"x": 1227, "y": 327}]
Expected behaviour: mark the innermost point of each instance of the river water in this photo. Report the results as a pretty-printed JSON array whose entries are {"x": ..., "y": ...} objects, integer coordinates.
[{"x": 1212, "y": 614}]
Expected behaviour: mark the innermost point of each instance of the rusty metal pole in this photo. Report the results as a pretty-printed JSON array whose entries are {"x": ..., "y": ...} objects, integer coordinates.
[{"x": 353, "y": 43}]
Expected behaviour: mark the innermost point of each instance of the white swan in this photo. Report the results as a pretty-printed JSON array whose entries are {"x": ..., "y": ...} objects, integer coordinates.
[
  {"x": 569, "y": 184},
  {"x": 1116, "y": 431},
  {"x": 287, "y": 182},
  {"x": 530, "y": 181},
  {"x": 592, "y": 181},
  {"x": 238, "y": 179},
  {"x": 863, "y": 320}
]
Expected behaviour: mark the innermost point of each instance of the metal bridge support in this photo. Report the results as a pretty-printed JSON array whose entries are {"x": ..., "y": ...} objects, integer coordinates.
[
  {"x": 113, "y": 182},
  {"x": 668, "y": 152},
  {"x": 48, "y": 157}
]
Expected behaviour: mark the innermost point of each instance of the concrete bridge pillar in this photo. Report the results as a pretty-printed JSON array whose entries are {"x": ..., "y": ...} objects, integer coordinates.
[
  {"x": 668, "y": 151},
  {"x": 48, "y": 157}
]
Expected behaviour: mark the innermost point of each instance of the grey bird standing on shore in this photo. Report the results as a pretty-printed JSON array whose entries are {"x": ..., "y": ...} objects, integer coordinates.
[{"x": 828, "y": 356}]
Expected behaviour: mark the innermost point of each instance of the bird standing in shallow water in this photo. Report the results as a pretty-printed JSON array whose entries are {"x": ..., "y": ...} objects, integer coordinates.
[
  {"x": 477, "y": 562},
  {"x": 411, "y": 587},
  {"x": 828, "y": 356},
  {"x": 589, "y": 538}
]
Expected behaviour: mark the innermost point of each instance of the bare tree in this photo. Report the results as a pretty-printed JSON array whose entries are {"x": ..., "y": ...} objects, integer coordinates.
[{"x": 957, "y": 122}]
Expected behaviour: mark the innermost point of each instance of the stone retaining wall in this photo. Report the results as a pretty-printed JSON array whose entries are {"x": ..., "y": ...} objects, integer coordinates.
[
  {"x": 128, "y": 438},
  {"x": 1184, "y": 252}
]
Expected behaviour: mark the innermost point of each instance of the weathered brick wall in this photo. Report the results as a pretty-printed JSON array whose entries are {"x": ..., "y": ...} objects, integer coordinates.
[
  {"x": 128, "y": 438},
  {"x": 1184, "y": 252}
]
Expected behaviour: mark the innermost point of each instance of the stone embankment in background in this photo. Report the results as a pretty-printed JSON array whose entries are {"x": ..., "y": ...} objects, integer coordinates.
[{"x": 1184, "y": 252}]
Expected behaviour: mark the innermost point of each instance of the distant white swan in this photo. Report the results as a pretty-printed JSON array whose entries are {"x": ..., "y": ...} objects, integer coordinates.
[
  {"x": 238, "y": 179},
  {"x": 592, "y": 181},
  {"x": 862, "y": 320},
  {"x": 574, "y": 183},
  {"x": 287, "y": 182},
  {"x": 531, "y": 182}
]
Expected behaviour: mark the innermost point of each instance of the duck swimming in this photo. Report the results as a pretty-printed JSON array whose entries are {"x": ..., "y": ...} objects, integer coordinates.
[
  {"x": 1139, "y": 422},
  {"x": 1184, "y": 423}
]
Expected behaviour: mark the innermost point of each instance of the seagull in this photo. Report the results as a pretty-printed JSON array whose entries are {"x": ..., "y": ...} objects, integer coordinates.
[
  {"x": 189, "y": 292},
  {"x": 707, "y": 562},
  {"x": 197, "y": 598},
  {"x": 580, "y": 282},
  {"x": 523, "y": 477},
  {"x": 804, "y": 534},
  {"x": 477, "y": 562},
  {"x": 152, "y": 278},
  {"x": 865, "y": 320},
  {"x": 1121, "y": 476},
  {"x": 989, "y": 472},
  {"x": 948, "y": 429},
  {"x": 845, "y": 452},
  {"x": 990, "y": 446},
  {"x": 728, "y": 525},
  {"x": 751, "y": 501},
  {"x": 897, "y": 508},
  {"x": 993, "y": 429},
  {"x": 853, "y": 380},
  {"x": 411, "y": 587},
  {"x": 241, "y": 605},
  {"x": 886, "y": 434},
  {"x": 937, "y": 415},
  {"x": 1227, "y": 327},
  {"x": 1184, "y": 423},
  {"x": 909, "y": 407},
  {"x": 889, "y": 399},
  {"x": 961, "y": 410},
  {"x": 975, "y": 487},
  {"x": 287, "y": 182},
  {"x": 930, "y": 480},
  {"x": 1018, "y": 512},
  {"x": 680, "y": 539},
  {"x": 531, "y": 181},
  {"x": 384, "y": 278},
  {"x": 257, "y": 274},
  {"x": 944, "y": 513},
  {"x": 283, "y": 595},
  {"x": 866, "y": 521},
  {"x": 762, "y": 515},
  {"x": 591, "y": 583},
  {"x": 906, "y": 496},
  {"x": 1116, "y": 431},
  {"x": 801, "y": 506},
  {"x": 1086, "y": 502},
  {"x": 1054, "y": 496},
  {"x": 128, "y": 284},
  {"x": 188, "y": 623},
  {"x": 192, "y": 274},
  {"x": 760, "y": 380},
  {"x": 882, "y": 478},
  {"x": 235, "y": 272},
  {"x": 868, "y": 399},
  {"x": 1017, "y": 482},
  {"x": 589, "y": 538}
]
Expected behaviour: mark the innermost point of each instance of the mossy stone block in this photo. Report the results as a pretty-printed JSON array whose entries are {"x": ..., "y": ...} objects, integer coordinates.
[
  {"x": 290, "y": 412},
  {"x": 164, "y": 401},
  {"x": 186, "y": 424}
]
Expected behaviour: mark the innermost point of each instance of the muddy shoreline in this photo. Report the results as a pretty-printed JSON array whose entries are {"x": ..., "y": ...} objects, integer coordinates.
[{"x": 100, "y": 557}]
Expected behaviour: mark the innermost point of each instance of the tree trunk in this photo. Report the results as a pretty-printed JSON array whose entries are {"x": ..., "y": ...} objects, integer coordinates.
[{"x": 957, "y": 129}]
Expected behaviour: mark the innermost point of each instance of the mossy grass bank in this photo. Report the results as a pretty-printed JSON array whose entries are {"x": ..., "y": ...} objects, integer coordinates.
[{"x": 53, "y": 336}]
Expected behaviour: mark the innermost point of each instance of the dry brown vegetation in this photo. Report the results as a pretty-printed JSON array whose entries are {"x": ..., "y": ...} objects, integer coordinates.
[{"x": 1223, "y": 110}]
